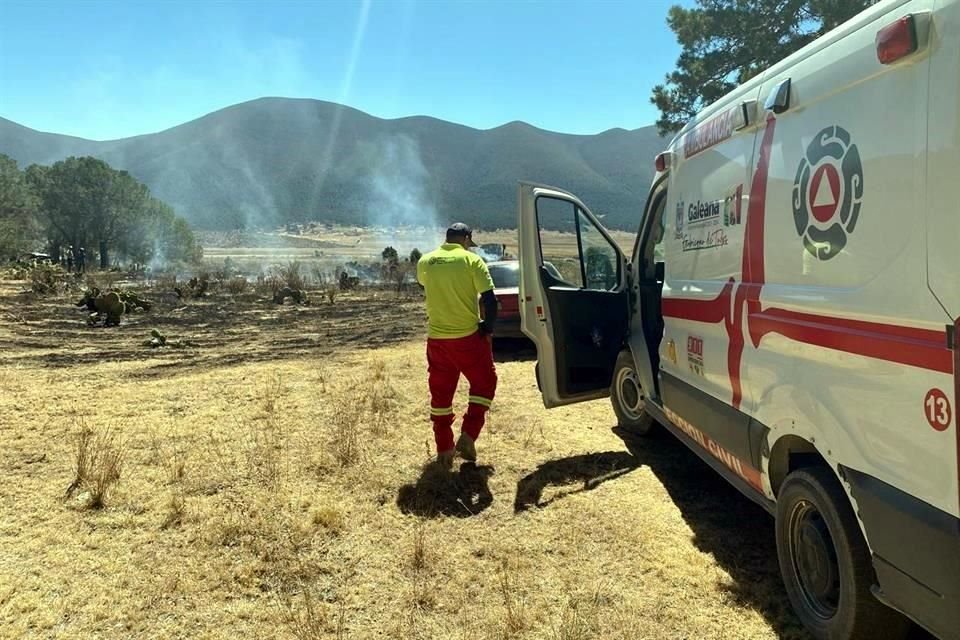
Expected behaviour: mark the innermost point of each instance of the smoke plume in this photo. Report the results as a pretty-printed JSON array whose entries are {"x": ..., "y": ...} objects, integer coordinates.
[{"x": 400, "y": 204}]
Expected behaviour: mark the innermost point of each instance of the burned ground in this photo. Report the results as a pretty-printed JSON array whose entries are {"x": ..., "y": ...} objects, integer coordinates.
[
  {"x": 274, "y": 484},
  {"x": 218, "y": 330}
]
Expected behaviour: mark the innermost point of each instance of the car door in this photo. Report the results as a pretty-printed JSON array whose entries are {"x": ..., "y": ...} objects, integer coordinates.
[{"x": 574, "y": 295}]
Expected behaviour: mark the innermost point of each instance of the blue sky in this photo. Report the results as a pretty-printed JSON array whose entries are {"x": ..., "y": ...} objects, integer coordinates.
[{"x": 112, "y": 69}]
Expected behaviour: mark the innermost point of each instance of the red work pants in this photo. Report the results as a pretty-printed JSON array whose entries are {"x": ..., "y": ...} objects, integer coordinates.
[{"x": 447, "y": 358}]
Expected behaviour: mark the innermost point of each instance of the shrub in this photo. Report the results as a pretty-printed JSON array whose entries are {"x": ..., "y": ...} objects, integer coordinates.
[
  {"x": 98, "y": 462},
  {"x": 46, "y": 278},
  {"x": 236, "y": 285},
  {"x": 292, "y": 275}
]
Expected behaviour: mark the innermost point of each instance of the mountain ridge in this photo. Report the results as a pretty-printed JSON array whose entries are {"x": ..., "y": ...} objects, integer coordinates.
[{"x": 271, "y": 161}]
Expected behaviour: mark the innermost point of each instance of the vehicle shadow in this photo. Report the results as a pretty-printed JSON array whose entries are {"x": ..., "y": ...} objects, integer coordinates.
[
  {"x": 576, "y": 473},
  {"x": 514, "y": 350},
  {"x": 461, "y": 493},
  {"x": 738, "y": 533},
  {"x": 725, "y": 524}
]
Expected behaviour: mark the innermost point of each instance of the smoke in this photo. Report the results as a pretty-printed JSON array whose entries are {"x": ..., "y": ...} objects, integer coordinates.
[
  {"x": 487, "y": 256},
  {"x": 158, "y": 261},
  {"x": 400, "y": 205}
]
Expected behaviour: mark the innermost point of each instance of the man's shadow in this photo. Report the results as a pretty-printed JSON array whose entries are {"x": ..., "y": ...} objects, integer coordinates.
[
  {"x": 459, "y": 493},
  {"x": 576, "y": 474}
]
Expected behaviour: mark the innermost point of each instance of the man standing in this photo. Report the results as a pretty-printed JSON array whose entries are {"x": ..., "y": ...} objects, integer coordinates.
[{"x": 458, "y": 341}]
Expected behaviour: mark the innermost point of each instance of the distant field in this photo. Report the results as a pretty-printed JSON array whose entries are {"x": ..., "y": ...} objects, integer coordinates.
[{"x": 342, "y": 244}]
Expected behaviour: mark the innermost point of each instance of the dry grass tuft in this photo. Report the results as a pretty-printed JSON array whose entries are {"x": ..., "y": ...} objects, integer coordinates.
[
  {"x": 419, "y": 559},
  {"x": 579, "y": 618},
  {"x": 423, "y": 595},
  {"x": 515, "y": 619},
  {"x": 306, "y": 618},
  {"x": 176, "y": 507},
  {"x": 266, "y": 440},
  {"x": 346, "y": 432},
  {"x": 330, "y": 518},
  {"x": 98, "y": 463},
  {"x": 382, "y": 399}
]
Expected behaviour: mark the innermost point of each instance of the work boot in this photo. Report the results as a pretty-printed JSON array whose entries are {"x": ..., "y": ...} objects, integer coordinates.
[
  {"x": 466, "y": 448},
  {"x": 445, "y": 459}
]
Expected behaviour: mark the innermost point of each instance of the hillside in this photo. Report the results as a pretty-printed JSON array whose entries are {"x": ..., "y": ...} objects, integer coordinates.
[{"x": 277, "y": 160}]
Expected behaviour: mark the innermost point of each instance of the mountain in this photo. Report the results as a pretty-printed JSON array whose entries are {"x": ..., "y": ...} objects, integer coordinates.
[{"x": 277, "y": 160}]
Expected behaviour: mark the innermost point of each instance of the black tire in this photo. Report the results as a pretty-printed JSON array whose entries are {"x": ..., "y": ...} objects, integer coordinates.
[
  {"x": 627, "y": 397},
  {"x": 825, "y": 562}
]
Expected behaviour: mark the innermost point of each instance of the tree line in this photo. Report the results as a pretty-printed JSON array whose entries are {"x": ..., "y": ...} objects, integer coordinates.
[
  {"x": 726, "y": 42},
  {"x": 84, "y": 202}
]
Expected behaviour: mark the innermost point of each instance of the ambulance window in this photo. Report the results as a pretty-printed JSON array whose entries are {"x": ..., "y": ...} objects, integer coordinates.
[
  {"x": 600, "y": 263},
  {"x": 574, "y": 250},
  {"x": 557, "y": 222},
  {"x": 659, "y": 230}
]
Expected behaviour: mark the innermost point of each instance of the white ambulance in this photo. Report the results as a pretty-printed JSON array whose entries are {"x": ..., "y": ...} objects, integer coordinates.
[{"x": 791, "y": 312}]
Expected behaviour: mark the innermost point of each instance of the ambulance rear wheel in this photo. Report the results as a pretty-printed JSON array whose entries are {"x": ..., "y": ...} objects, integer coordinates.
[
  {"x": 826, "y": 564},
  {"x": 628, "y": 397}
]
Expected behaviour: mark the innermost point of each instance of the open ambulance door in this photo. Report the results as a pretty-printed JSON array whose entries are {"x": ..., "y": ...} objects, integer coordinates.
[{"x": 574, "y": 295}]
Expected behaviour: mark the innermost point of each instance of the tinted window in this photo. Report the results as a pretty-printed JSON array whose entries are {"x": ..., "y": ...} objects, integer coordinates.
[{"x": 505, "y": 275}]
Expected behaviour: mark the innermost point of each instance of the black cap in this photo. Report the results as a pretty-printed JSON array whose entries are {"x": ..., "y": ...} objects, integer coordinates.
[{"x": 460, "y": 230}]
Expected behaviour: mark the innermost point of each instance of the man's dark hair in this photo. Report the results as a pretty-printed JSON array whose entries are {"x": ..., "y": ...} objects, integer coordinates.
[
  {"x": 453, "y": 236},
  {"x": 459, "y": 231}
]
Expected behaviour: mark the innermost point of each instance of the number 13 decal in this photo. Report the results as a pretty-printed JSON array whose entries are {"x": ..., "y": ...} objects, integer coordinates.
[{"x": 936, "y": 407}]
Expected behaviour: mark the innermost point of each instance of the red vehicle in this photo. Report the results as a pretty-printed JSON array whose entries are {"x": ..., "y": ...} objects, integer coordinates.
[{"x": 506, "y": 280}]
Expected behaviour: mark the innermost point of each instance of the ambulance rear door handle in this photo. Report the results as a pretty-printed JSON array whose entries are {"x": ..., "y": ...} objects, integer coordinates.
[{"x": 779, "y": 99}]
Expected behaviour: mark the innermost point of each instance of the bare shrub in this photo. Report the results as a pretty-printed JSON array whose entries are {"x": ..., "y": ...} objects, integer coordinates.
[
  {"x": 47, "y": 279},
  {"x": 331, "y": 294},
  {"x": 165, "y": 282},
  {"x": 321, "y": 276},
  {"x": 292, "y": 275},
  {"x": 236, "y": 285},
  {"x": 267, "y": 285},
  {"x": 99, "y": 460},
  {"x": 402, "y": 275}
]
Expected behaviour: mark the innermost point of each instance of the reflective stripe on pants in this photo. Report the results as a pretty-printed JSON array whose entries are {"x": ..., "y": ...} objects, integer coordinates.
[{"x": 446, "y": 360}]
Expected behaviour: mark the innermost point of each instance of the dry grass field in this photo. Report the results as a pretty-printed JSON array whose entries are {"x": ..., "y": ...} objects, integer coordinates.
[
  {"x": 329, "y": 248},
  {"x": 269, "y": 479}
]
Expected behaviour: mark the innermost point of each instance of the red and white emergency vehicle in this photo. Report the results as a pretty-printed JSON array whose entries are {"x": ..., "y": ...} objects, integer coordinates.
[{"x": 791, "y": 312}]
